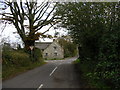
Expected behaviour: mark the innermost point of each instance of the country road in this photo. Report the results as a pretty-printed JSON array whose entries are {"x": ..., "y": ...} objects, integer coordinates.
[{"x": 54, "y": 74}]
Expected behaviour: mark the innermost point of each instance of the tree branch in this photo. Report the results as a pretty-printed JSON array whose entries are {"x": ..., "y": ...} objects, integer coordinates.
[
  {"x": 41, "y": 24},
  {"x": 40, "y": 12},
  {"x": 48, "y": 29}
]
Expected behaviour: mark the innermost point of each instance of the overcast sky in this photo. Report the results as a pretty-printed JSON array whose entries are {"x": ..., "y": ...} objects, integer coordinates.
[{"x": 10, "y": 31}]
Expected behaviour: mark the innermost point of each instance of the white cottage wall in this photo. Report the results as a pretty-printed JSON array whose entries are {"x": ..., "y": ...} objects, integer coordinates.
[{"x": 53, "y": 51}]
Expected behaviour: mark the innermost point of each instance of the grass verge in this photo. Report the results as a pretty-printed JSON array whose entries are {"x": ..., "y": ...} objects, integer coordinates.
[
  {"x": 55, "y": 59},
  {"x": 14, "y": 71},
  {"x": 58, "y": 58}
]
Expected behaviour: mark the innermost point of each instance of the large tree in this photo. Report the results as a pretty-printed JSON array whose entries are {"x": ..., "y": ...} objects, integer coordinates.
[
  {"x": 87, "y": 23},
  {"x": 37, "y": 14},
  {"x": 84, "y": 22},
  {"x": 95, "y": 27}
]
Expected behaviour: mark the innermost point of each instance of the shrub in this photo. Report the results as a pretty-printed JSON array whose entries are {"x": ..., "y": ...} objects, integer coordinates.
[
  {"x": 70, "y": 49},
  {"x": 37, "y": 55},
  {"x": 16, "y": 61},
  {"x": 16, "y": 58},
  {"x": 109, "y": 73}
]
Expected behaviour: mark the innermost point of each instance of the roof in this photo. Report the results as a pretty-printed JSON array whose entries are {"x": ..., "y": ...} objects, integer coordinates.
[{"x": 42, "y": 45}]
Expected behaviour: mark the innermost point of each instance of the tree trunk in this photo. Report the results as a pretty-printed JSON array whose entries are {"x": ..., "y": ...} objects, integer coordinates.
[
  {"x": 29, "y": 43},
  {"x": 79, "y": 52}
]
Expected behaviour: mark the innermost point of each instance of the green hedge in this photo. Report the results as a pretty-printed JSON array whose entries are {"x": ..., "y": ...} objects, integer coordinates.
[
  {"x": 37, "y": 55},
  {"x": 17, "y": 61},
  {"x": 20, "y": 57},
  {"x": 15, "y": 58},
  {"x": 70, "y": 49}
]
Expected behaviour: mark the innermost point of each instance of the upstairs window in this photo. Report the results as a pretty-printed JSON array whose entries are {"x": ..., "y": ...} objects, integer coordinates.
[
  {"x": 55, "y": 54},
  {"x": 55, "y": 47},
  {"x": 46, "y": 54}
]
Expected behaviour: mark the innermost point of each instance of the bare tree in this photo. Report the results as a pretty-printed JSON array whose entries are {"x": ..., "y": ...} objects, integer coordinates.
[{"x": 38, "y": 16}]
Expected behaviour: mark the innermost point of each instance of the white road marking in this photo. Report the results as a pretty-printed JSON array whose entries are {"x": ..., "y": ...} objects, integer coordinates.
[
  {"x": 40, "y": 87},
  {"x": 53, "y": 71}
]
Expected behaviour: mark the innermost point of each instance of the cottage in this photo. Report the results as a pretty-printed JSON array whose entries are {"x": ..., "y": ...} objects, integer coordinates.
[{"x": 51, "y": 50}]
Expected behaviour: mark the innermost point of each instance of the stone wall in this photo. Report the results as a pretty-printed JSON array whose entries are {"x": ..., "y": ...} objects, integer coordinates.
[{"x": 53, "y": 51}]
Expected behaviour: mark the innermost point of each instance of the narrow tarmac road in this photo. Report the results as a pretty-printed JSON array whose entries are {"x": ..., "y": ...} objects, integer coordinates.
[{"x": 54, "y": 74}]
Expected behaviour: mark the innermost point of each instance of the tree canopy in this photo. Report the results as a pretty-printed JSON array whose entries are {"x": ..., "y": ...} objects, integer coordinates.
[
  {"x": 95, "y": 27},
  {"x": 87, "y": 22}
]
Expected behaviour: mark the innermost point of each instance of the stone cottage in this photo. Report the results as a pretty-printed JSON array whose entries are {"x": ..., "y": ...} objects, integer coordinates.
[{"x": 51, "y": 50}]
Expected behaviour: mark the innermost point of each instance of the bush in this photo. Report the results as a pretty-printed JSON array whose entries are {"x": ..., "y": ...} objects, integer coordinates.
[
  {"x": 17, "y": 61},
  {"x": 98, "y": 37},
  {"x": 109, "y": 73},
  {"x": 70, "y": 49},
  {"x": 15, "y": 58},
  {"x": 37, "y": 56}
]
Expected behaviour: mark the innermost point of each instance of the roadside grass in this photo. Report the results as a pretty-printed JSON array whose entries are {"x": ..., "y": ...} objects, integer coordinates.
[
  {"x": 58, "y": 58},
  {"x": 77, "y": 61},
  {"x": 15, "y": 62},
  {"x": 85, "y": 68},
  {"x": 55, "y": 59},
  {"x": 14, "y": 70}
]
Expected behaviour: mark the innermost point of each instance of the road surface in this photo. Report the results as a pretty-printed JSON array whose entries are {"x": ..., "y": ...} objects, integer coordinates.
[{"x": 54, "y": 74}]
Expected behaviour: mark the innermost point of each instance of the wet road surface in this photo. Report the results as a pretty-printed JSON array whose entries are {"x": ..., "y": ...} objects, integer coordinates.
[{"x": 54, "y": 74}]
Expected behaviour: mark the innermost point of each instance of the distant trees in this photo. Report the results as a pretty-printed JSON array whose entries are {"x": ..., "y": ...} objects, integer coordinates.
[
  {"x": 38, "y": 16},
  {"x": 70, "y": 49},
  {"x": 95, "y": 28}
]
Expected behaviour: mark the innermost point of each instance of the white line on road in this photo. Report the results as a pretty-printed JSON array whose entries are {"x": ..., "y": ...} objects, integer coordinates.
[
  {"x": 53, "y": 71},
  {"x": 40, "y": 86}
]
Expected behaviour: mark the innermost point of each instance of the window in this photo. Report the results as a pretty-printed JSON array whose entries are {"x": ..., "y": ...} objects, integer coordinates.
[
  {"x": 55, "y": 47},
  {"x": 55, "y": 54},
  {"x": 46, "y": 54}
]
